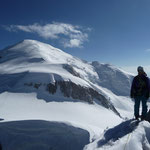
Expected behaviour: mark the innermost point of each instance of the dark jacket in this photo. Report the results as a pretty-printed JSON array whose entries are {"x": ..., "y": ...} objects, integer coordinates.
[{"x": 140, "y": 86}]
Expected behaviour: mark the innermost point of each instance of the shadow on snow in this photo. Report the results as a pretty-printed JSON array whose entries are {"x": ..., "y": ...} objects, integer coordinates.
[
  {"x": 118, "y": 132},
  {"x": 41, "y": 135}
]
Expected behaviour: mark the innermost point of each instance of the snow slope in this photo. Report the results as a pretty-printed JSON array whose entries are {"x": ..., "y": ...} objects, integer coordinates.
[
  {"x": 127, "y": 136},
  {"x": 37, "y": 57},
  {"x": 34, "y": 63},
  {"x": 112, "y": 78},
  {"x": 27, "y": 68},
  {"x": 31, "y": 55},
  {"x": 21, "y": 106},
  {"x": 34, "y": 56}
]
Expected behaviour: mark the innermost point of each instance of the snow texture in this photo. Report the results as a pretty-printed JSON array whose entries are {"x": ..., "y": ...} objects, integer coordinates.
[
  {"x": 37, "y": 119},
  {"x": 130, "y": 134}
]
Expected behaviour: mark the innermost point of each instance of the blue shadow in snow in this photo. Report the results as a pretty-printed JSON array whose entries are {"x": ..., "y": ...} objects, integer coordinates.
[
  {"x": 118, "y": 131},
  {"x": 41, "y": 135}
]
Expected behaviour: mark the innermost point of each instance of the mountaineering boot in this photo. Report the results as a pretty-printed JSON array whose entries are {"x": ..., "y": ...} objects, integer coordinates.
[
  {"x": 143, "y": 118},
  {"x": 136, "y": 117}
]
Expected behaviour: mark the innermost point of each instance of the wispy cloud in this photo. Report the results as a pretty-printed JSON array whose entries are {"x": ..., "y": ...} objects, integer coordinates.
[
  {"x": 147, "y": 50},
  {"x": 72, "y": 43},
  {"x": 69, "y": 35}
]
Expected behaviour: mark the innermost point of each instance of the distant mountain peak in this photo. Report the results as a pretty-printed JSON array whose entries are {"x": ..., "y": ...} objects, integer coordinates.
[
  {"x": 29, "y": 49},
  {"x": 34, "y": 56}
]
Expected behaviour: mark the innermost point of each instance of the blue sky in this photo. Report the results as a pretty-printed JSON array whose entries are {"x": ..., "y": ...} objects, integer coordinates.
[{"x": 109, "y": 31}]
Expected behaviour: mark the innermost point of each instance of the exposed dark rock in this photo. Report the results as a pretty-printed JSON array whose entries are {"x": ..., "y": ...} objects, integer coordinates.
[
  {"x": 72, "y": 90},
  {"x": 37, "y": 85},
  {"x": 65, "y": 88},
  {"x": 36, "y": 60},
  {"x": 28, "y": 84},
  {"x": 78, "y": 92},
  {"x": 71, "y": 70},
  {"x": 52, "y": 88}
]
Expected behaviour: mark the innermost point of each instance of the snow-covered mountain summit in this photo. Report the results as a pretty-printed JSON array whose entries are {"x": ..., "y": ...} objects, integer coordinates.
[
  {"x": 32, "y": 66},
  {"x": 34, "y": 56},
  {"x": 41, "y": 82},
  {"x": 33, "y": 51}
]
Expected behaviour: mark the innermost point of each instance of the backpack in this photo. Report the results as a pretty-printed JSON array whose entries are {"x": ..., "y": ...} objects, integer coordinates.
[{"x": 142, "y": 84}]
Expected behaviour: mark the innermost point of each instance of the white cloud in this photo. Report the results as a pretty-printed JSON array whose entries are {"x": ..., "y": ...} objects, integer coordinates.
[
  {"x": 73, "y": 43},
  {"x": 73, "y": 36},
  {"x": 147, "y": 50}
]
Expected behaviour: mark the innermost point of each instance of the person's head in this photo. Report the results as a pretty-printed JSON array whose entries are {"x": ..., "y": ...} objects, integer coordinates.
[{"x": 140, "y": 70}]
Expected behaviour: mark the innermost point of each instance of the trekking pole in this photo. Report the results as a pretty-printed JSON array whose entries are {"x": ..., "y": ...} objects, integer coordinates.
[{"x": 127, "y": 140}]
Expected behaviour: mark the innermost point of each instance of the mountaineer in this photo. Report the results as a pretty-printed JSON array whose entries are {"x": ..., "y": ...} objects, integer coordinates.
[{"x": 140, "y": 92}]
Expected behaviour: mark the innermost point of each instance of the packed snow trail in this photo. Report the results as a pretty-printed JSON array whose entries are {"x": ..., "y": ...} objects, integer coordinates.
[{"x": 129, "y": 135}]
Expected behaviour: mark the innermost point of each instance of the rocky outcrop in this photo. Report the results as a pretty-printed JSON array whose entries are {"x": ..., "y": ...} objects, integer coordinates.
[
  {"x": 52, "y": 88},
  {"x": 76, "y": 92},
  {"x": 72, "y": 90},
  {"x": 71, "y": 70}
]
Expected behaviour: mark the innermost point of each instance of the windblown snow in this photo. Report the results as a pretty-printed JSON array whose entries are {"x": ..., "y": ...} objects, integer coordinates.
[{"x": 36, "y": 119}]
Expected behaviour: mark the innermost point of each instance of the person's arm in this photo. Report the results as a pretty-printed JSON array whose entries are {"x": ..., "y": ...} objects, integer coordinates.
[
  {"x": 132, "y": 89},
  {"x": 148, "y": 88}
]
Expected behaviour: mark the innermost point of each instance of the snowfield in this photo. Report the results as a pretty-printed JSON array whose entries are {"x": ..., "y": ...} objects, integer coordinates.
[
  {"x": 36, "y": 119},
  {"x": 21, "y": 106}
]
